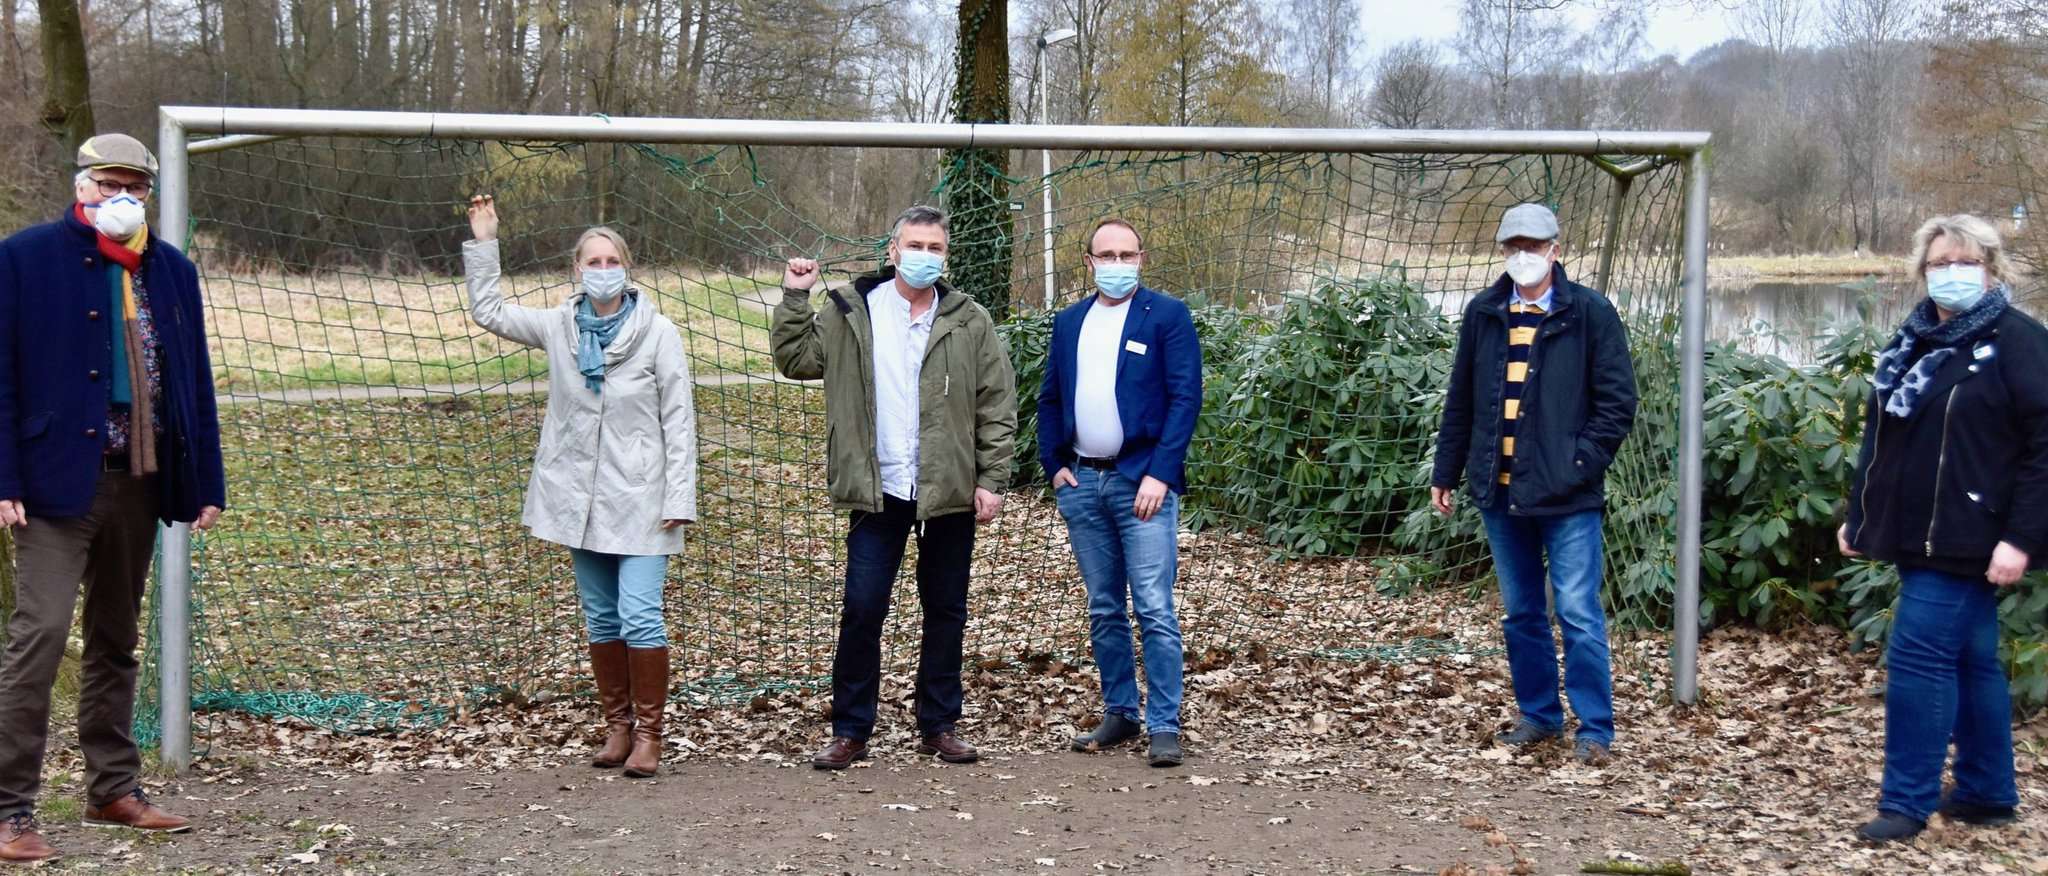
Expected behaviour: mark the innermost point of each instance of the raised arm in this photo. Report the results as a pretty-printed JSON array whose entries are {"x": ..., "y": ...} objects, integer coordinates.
[
  {"x": 488, "y": 308},
  {"x": 799, "y": 352}
]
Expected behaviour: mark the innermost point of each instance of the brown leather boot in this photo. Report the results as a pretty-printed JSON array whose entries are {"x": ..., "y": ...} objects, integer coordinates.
[
  {"x": 614, "y": 701},
  {"x": 648, "y": 671},
  {"x": 21, "y": 841}
]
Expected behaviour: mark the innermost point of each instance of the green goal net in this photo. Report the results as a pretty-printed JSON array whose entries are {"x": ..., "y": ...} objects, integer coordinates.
[{"x": 372, "y": 572}]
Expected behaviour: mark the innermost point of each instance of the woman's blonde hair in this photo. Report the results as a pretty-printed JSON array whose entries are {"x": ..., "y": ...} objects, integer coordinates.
[
  {"x": 597, "y": 231},
  {"x": 1962, "y": 228}
]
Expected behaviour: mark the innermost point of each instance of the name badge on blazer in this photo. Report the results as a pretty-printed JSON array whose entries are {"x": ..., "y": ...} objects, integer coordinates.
[
  {"x": 1984, "y": 351},
  {"x": 1135, "y": 347}
]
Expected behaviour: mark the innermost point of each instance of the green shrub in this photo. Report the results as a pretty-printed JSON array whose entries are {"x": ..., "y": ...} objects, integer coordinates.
[{"x": 1318, "y": 429}]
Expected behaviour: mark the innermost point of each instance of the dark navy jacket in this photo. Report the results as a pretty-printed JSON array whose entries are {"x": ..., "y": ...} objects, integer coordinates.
[
  {"x": 1577, "y": 405},
  {"x": 1158, "y": 391},
  {"x": 1969, "y": 469},
  {"x": 55, "y": 354}
]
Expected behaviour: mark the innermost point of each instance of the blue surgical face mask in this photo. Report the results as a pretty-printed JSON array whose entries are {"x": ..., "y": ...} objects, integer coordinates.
[
  {"x": 604, "y": 285},
  {"x": 1957, "y": 287},
  {"x": 919, "y": 269},
  {"x": 1117, "y": 281}
]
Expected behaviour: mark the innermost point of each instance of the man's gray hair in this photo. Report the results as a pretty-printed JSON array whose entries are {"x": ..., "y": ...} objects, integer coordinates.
[
  {"x": 1967, "y": 230},
  {"x": 919, "y": 215}
]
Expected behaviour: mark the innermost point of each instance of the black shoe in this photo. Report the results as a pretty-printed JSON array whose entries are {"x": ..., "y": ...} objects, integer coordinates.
[
  {"x": 1890, "y": 827},
  {"x": 1114, "y": 730},
  {"x": 1166, "y": 749},
  {"x": 1526, "y": 733},
  {"x": 1977, "y": 815},
  {"x": 1590, "y": 753}
]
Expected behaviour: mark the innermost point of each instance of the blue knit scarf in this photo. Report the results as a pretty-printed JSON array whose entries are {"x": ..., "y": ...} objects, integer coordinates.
[{"x": 593, "y": 334}]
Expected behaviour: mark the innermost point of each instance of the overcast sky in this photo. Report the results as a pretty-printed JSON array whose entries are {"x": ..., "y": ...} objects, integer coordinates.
[{"x": 1681, "y": 31}]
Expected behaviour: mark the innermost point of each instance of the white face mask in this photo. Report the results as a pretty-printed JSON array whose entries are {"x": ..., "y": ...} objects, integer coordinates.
[
  {"x": 604, "y": 285},
  {"x": 1529, "y": 268},
  {"x": 119, "y": 217}
]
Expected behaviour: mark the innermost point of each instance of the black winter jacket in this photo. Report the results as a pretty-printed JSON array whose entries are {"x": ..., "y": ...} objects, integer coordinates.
[
  {"x": 1969, "y": 469},
  {"x": 1577, "y": 406}
]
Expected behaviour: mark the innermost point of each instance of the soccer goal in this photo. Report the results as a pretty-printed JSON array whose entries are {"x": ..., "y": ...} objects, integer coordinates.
[{"x": 372, "y": 572}]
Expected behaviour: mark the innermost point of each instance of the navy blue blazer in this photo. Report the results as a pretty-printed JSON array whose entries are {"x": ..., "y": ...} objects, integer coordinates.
[
  {"x": 1158, "y": 389},
  {"x": 55, "y": 354}
]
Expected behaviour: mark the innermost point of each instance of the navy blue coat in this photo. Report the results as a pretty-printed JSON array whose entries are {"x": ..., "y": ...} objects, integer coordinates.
[
  {"x": 1158, "y": 391},
  {"x": 1577, "y": 406},
  {"x": 1969, "y": 469},
  {"x": 55, "y": 354}
]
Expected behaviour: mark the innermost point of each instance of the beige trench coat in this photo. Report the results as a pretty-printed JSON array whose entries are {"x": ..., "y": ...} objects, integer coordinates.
[{"x": 611, "y": 466}]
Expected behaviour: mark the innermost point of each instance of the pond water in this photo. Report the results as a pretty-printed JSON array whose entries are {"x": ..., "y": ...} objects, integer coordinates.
[{"x": 1790, "y": 318}]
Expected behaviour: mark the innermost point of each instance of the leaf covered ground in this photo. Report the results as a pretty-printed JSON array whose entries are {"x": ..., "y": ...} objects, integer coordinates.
[{"x": 397, "y": 687}]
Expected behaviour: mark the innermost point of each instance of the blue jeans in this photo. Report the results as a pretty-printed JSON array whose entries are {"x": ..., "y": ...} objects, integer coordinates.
[
  {"x": 1574, "y": 547},
  {"x": 1120, "y": 554},
  {"x": 622, "y": 597},
  {"x": 874, "y": 555},
  {"x": 1945, "y": 682}
]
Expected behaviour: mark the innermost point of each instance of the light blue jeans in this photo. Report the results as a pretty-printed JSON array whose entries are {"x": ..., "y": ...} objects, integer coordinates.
[
  {"x": 1573, "y": 546},
  {"x": 1121, "y": 556},
  {"x": 622, "y": 597}
]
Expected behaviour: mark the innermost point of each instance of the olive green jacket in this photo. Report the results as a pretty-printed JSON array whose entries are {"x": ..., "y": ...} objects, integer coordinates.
[{"x": 967, "y": 396}]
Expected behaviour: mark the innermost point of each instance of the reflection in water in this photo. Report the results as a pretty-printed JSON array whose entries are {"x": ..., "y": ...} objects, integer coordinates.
[{"x": 1790, "y": 320}]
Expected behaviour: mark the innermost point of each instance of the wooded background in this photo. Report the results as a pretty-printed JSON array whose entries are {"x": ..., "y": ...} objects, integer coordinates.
[{"x": 1838, "y": 123}]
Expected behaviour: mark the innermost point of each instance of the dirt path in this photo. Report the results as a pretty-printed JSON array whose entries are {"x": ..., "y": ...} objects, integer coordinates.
[{"x": 1030, "y": 813}]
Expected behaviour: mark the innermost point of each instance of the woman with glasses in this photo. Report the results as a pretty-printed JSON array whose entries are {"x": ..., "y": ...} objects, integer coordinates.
[
  {"x": 1952, "y": 487},
  {"x": 615, "y": 475}
]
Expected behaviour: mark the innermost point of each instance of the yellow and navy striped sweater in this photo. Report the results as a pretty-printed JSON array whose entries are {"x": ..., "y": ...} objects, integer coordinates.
[{"x": 1522, "y": 320}]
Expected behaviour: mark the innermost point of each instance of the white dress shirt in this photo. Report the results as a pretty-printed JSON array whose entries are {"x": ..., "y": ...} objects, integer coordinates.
[
  {"x": 899, "y": 357},
  {"x": 1098, "y": 427}
]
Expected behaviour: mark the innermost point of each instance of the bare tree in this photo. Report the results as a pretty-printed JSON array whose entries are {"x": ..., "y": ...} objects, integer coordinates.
[
  {"x": 1321, "y": 37},
  {"x": 1503, "y": 41},
  {"x": 1411, "y": 88},
  {"x": 1776, "y": 25},
  {"x": 1875, "y": 67}
]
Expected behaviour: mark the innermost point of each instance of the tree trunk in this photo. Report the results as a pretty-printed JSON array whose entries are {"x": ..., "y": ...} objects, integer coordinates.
[
  {"x": 976, "y": 192},
  {"x": 67, "y": 96}
]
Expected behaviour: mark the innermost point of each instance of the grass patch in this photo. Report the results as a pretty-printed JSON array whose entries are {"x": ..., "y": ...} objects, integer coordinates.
[
  {"x": 60, "y": 808},
  {"x": 286, "y": 331},
  {"x": 372, "y": 570},
  {"x": 1810, "y": 266}
]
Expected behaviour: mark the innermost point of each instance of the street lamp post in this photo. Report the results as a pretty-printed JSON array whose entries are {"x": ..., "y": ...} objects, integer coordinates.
[{"x": 1047, "y": 40}]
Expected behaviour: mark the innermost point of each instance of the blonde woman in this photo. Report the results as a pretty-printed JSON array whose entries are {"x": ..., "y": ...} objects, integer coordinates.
[
  {"x": 615, "y": 475},
  {"x": 1952, "y": 488}
]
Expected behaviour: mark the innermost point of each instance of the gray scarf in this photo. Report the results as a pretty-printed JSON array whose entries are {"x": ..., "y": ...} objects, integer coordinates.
[{"x": 1900, "y": 389}]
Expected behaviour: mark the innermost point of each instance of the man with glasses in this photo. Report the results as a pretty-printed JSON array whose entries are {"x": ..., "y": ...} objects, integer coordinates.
[
  {"x": 921, "y": 414},
  {"x": 107, "y": 425},
  {"x": 1542, "y": 394},
  {"x": 1122, "y": 391}
]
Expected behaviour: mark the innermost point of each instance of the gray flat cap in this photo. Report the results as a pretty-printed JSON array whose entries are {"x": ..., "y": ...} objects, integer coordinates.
[
  {"x": 1533, "y": 221},
  {"x": 116, "y": 150}
]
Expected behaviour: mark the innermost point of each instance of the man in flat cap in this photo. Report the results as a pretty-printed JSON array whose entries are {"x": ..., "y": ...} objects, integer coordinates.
[
  {"x": 107, "y": 426},
  {"x": 1542, "y": 394}
]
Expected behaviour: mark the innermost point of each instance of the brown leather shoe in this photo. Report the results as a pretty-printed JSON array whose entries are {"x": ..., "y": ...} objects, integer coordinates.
[
  {"x": 133, "y": 810},
  {"x": 647, "y": 670},
  {"x": 949, "y": 748},
  {"x": 21, "y": 841},
  {"x": 614, "y": 701},
  {"x": 840, "y": 753}
]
